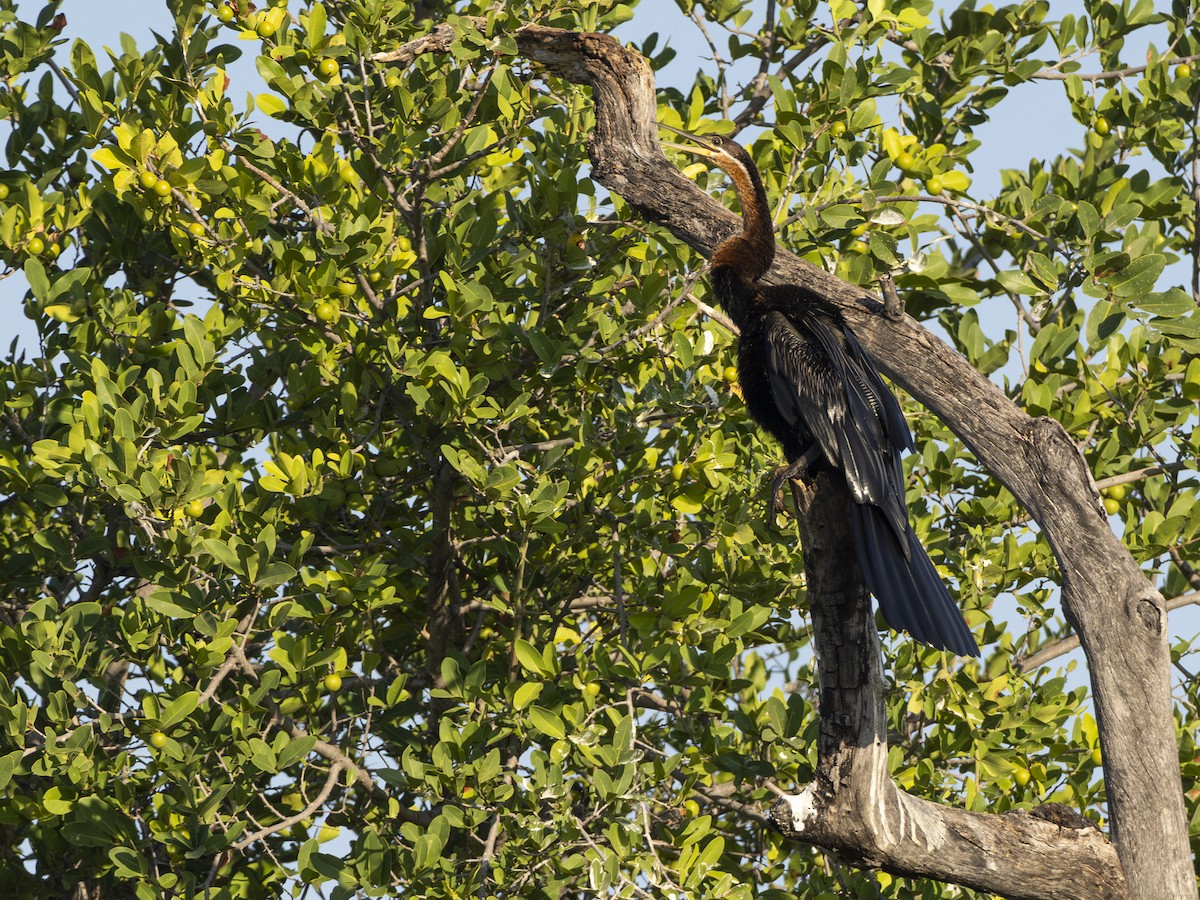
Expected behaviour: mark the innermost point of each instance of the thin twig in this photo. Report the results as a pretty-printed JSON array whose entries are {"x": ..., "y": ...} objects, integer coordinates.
[{"x": 1055, "y": 649}]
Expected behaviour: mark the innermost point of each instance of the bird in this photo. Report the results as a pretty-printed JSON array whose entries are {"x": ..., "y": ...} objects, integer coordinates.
[{"x": 808, "y": 382}]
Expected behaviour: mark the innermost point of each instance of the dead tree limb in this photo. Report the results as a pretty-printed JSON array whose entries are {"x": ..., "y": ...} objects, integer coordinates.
[{"x": 855, "y": 809}]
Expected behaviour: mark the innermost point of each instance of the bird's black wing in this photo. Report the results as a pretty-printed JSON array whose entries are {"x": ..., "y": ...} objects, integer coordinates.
[{"x": 823, "y": 381}]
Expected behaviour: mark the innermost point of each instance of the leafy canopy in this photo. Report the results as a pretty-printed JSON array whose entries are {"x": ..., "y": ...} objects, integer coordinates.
[{"x": 378, "y": 511}]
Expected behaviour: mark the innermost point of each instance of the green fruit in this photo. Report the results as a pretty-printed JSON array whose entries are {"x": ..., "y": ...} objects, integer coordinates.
[
  {"x": 691, "y": 807},
  {"x": 343, "y": 596},
  {"x": 1097, "y": 757},
  {"x": 54, "y": 250},
  {"x": 1102, "y": 127},
  {"x": 837, "y": 129},
  {"x": 162, "y": 188},
  {"x": 347, "y": 174},
  {"x": 327, "y": 68},
  {"x": 934, "y": 186},
  {"x": 592, "y": 688},
  {"x": 906, "y": 161},
  {"x": 730, "y": 374},
  {"x": 264, "y": 28},
  {"x": 3, "y": 191},
  {"x": 196, "y": 229},
  {"x": 328, "y": 311},
  {"x": 1021, "y": 777},
  {"x": 332, "y": 683},
  {"x": 225, "y": 13},
  {"x": 347, "y": 288},
  {"x": 404, "y": 243},
  {"x": 1116, "y": 492},
  {"x": 194, "y": 509},
  {"x": 392, "y": 81},
  {"x": 158, "y": 740},
  {"x": 147, "y": 180},
  {"x": 35, "y": 246},
  {"x": 1183, "y": 70},
  {"x": 1111, "y": 506}
]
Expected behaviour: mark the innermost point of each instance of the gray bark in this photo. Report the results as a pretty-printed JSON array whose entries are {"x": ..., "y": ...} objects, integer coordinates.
[{"x": 1119, "y": 616}]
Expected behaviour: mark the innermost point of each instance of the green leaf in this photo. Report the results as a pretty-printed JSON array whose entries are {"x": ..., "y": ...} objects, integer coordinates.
[
  {"x": 748, "y": 621},
  {"x": 179, "y": 709},
  {"x": 1018, "y": 283},
  {"x": 842, "y": 215},
  {"x": 270, "y": 104},
  {"x": 526, "y": 694},
  {"x": 107, "y": 157},
  {"x": 1138, "y": 277},
  {"x": 128, "y": 863},
  {"x": 1171, "y": 304},
  {"x": 35, "y": 274},
  {"x": 547, "y": 722},
  {"x": 530, "y": 659}
]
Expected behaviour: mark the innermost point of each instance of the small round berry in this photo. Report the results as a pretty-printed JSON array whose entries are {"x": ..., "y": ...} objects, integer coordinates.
[{"x": 328, "y": 311}]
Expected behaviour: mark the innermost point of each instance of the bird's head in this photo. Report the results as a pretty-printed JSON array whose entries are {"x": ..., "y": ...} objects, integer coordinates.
[{"x": 723, "y": 152}]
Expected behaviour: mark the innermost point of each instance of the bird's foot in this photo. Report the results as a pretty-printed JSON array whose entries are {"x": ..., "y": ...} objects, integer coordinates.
[{"x": 795, "y": 472}]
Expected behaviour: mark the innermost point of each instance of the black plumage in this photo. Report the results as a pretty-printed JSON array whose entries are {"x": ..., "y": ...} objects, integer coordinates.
[{"x": 808, "y": 382}]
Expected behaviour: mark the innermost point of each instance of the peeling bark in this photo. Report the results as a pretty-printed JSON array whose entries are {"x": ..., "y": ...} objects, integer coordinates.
[
  {"x": 1119, "y": 616},
  {"x": 854, "y": 808}
]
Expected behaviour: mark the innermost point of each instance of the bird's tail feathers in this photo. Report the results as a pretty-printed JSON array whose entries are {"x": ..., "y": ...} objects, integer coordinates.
[{"x": 911, "y": 595}]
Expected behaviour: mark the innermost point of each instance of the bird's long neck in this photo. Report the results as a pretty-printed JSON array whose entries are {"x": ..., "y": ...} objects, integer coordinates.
[{"x": 750, "y": 253}]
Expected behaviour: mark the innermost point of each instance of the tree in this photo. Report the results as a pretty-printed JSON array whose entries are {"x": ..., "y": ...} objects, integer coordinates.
[{"x": 379, "y": 513}]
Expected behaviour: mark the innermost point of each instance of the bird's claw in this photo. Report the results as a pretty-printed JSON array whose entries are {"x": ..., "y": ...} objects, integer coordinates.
[{"x": 795, "y": 472}]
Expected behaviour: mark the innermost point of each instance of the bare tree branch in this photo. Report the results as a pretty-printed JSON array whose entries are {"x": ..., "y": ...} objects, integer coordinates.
[{"x": 1063, "y": 646}]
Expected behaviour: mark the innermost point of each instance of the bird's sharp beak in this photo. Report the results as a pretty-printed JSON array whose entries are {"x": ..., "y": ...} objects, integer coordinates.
[{"x": 699, "y": 148}]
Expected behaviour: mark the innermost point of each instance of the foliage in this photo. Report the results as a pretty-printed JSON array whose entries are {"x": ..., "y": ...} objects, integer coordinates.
[{"x": 397, "y": 396}]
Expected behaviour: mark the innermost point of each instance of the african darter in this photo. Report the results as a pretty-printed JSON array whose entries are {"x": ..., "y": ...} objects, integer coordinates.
[{"x": 808, "y": 382}]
